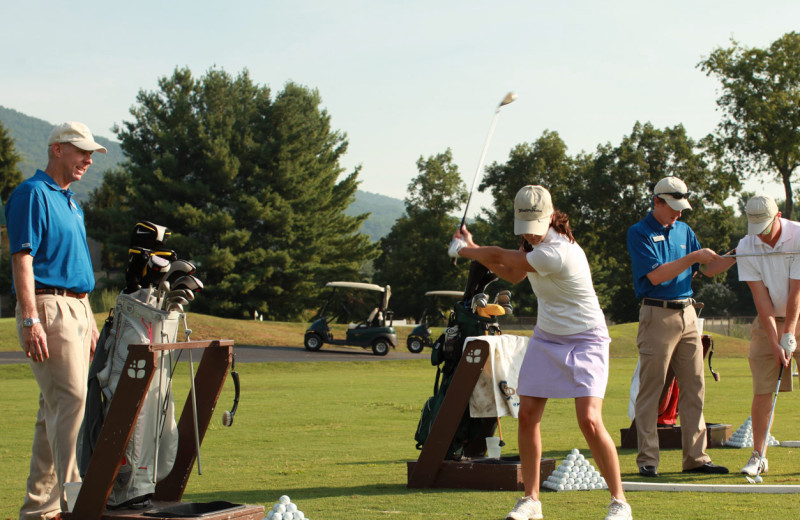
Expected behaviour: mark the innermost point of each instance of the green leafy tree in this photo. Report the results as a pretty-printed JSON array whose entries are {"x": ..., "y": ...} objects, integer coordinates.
[
  {"x": 250, "y": 187},
  {"x": 10, "y": 175},
  {"x": 413, "y": 257},
  {"x": 760, "y": 105}
]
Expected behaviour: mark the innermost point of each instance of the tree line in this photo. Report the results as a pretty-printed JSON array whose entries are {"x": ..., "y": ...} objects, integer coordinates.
[{"x": 251, "y": 185}]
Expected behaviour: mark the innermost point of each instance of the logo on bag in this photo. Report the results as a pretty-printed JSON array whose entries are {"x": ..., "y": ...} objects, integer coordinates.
[
  {"x": 508, "y": 391},
  {"x": 473, "y": 355},
  {"x": 136, "y": 369}
]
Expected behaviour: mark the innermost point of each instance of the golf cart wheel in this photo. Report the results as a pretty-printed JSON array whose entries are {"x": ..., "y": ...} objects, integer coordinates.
[
  {"x": 312, "y": 342},
  {"x": 380, "y": 347},
  {"x": 415, "y": 345}
]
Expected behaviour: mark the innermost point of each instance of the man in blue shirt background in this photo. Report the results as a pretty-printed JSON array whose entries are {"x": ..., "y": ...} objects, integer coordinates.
[
  {"x": 665, "y": 254},
  {"x": 53, "y": 275}
]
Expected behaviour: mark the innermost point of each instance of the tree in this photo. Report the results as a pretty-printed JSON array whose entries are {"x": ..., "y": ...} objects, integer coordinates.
[
  {"x": 760, "y": 104},
  {"x": 250, "y": 187},
  {"x": 413, "y": 257},
  {"x": 10, "y": 176}
]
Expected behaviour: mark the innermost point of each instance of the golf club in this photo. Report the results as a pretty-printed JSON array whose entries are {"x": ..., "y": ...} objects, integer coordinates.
[
  {"x": 183, "y": 293},
  {"x": 180, "y": 268},
  {"x": 509, "y": 98},
  {"x": 766, "y": 253},
  {"x": 757, "y": 479},
  {"x": 227, "y": 417},
  {"x": 189, "y": 282}
]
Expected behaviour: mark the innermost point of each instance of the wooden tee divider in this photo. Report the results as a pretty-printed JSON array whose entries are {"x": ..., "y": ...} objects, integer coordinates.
[{"x": 118, "y": 426}]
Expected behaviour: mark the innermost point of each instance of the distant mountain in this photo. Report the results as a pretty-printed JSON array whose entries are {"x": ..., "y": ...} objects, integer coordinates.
[{"x": 30, "y": 139}]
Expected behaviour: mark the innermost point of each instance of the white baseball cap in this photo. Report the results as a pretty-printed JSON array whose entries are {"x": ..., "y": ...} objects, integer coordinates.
[
  {"x": 76, "y": 134},
  {"x": 761, "y": 211},
  {"x": 674, "y": 192},
  {"x": 532, "y": 210}
]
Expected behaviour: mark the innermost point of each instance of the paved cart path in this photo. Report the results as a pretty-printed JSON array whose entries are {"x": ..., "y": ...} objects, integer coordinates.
[{"x": 249, "y": 354}]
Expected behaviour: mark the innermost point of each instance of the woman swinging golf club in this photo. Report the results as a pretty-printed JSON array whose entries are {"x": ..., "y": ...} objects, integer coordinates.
[{"x": 567, "y": 355}]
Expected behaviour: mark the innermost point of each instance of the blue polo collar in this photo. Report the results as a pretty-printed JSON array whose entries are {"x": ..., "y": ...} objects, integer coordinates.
[{"x": 53, "y": 185}]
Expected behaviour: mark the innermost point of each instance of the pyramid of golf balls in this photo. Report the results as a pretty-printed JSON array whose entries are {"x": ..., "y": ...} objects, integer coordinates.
[
  {"x": 284, "y": 509},
  {"x": 743, "y": 436},
  {"x": 575, "y": 473}
]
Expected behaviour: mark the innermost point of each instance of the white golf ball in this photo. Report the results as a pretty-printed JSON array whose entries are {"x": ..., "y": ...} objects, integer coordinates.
[
  {"x": 269, "y": 515},
  {"x": 284, "y": 499},
  {"x": 575, "y": 451},
  {"x": 279, "y": 508},
  {"x": 299, "y": 515},
  {"x": 571, "y": 457},
  {"x": 568, "y": 463},
  {"x": 277, "y": 516},
  {"x": 291, "y": 508},
  {"x": 758, "y": 479},
  {"x": 560, "y": 487},
  {"x": 580, "y": 456},
  {"x": 288, "y": 515}
]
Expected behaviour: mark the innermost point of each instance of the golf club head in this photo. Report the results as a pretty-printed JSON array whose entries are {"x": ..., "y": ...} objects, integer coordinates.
[
  {"x": 148, "y": 235},
  {"x": 510, "y": 98},
  {"x": 155, "y": 271},
  {"x": 177, "y": 299},
  {"x": 183, "y": 293},
  {"x": 175, "y": 307},
  {"x": 180, "y": 268},
  {"x": 189, "y": 282},
  {"x": 227, "y": 417}
]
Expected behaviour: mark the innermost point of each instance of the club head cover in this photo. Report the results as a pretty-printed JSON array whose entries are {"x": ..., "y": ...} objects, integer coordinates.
[{"x": 491, "y": 309}]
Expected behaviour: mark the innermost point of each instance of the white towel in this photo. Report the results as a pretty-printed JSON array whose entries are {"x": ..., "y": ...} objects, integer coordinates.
[{"x": 495, "y": 393}]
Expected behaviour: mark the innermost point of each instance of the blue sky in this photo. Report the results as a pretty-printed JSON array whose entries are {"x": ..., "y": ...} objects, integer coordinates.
[{"x": 402, "y": 79}]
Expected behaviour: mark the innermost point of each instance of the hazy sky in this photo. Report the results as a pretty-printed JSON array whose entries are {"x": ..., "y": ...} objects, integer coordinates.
[{"x": 402, "y": 79}]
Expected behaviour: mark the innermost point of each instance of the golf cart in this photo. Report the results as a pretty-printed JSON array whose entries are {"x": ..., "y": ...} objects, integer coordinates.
[
  {"x": 420, "y": 337},
  {"x": 371, "y": 332}
]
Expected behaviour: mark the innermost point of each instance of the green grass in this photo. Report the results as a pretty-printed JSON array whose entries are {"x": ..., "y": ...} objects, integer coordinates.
[{"x": 335, "y": 437}]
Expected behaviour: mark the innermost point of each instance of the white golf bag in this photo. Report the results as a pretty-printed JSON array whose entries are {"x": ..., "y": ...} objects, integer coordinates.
[{"x": 154, "y": 441}]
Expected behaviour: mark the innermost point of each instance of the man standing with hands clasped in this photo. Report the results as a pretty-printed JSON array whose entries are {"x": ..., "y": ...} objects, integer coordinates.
[
  {"x": 774, "y": 281},
  {"x": 665, "y": 254},
  {"x": 53, "y": 275}
]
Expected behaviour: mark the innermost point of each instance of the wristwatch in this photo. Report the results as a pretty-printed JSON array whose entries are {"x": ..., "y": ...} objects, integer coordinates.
[{"x": 30, "y": 322}]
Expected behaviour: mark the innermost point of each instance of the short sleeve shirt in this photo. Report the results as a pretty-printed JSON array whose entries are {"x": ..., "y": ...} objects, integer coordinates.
[
  {"x": 563, "y": 286},
  {"x": 44, "y": 219},
  {"x": 652, "y": 245},
  {"x": 774, "y": 270}
]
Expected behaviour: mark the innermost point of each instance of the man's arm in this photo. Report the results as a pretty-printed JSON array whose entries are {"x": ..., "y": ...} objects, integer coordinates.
[
  {"x": 33, "y": 338},
  {"x": 792, "y": 307},
  {"x": 670, "y": 270},
  {"x": 766, "y": 315},
  {"x": 717, "y": 266}
]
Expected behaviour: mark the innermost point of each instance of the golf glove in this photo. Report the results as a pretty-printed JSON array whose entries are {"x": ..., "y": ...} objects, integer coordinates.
[
  {"x": 455, "y": 246},
  {"x": 788, "y": 343}
]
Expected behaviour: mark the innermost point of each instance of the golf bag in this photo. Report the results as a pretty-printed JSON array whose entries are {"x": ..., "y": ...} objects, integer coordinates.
[
  {"x": 469, "y": 439},
  {"x": 154, "y": 441}
]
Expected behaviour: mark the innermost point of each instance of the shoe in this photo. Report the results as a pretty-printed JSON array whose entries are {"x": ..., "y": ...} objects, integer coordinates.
[
  {"x": 648, "y": 471},
  {"x": 618, "y": 510},
  {"x": 751, "y": 468},
  {"x": 526, "y": 509},
  {"x": 708, "y": 467}
]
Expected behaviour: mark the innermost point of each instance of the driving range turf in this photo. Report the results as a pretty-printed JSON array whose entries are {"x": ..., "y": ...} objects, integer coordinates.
[{"x": 336, "y": 437}]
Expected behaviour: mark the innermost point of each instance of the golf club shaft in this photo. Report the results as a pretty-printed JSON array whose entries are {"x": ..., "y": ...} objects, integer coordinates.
[
  {"x": 766, "y": 253},
  {"x": 769, "y": 423},
  {"x": 480, "y": 165}
]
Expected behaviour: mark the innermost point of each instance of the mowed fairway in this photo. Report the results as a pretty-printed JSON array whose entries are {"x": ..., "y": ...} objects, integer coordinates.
[{"x": 335, "y": 437}]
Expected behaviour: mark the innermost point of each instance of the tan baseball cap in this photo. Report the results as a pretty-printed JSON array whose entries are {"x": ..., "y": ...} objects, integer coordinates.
[
  {"x": 76, "y": 134},
  {"x": 674, "y": 192},
  {"x": 532, "y": 210},
  {"x": 761, "y": 211}
]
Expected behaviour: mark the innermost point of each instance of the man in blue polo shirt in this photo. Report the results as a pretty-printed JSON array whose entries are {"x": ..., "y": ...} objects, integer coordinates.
[
  {"x": 665, "y": 254},
  {"x": 53, "y": 274}
]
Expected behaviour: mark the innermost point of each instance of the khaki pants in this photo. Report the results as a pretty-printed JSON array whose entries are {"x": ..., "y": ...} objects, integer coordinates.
[
  {"x": 62, "y": 384},
  {"x": 669, "y": 337},
  {"x": 762, "y": 364}
]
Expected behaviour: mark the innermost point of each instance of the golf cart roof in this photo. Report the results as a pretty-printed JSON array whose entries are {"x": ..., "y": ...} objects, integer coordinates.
[
  {"x": 357, "y": 285},
  {"x": 454, "y": 294}
]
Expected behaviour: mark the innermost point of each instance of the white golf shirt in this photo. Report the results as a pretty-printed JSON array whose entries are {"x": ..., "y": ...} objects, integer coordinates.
[
  {"x": 774, "y": 270},
  {"x": 563, "y": 287}
]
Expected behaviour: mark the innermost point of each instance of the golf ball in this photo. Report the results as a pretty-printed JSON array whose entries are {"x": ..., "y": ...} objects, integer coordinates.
[
  {"x": 571, "y": 456},
  {"x": 269, "y": 515},
  {"x": 277, "y": 516},
  {"x": 284, "y": 499},
  {"x": 299, "y": 515},
  {"x": 288, "y": 515},
  {"x": 279, "y": 508},
  {"x": 758, "y": 479}
]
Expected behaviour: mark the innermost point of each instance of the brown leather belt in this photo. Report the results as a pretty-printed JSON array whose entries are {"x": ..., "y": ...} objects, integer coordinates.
[
  {"x": 667, "y": 304},
  {"x": 61, "y": 292}
]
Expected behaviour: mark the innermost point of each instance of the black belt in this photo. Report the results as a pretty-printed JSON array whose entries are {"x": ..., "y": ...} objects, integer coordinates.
[
  {"x": 668, "y": 304},
  {"x": 61, "y": 292}
]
